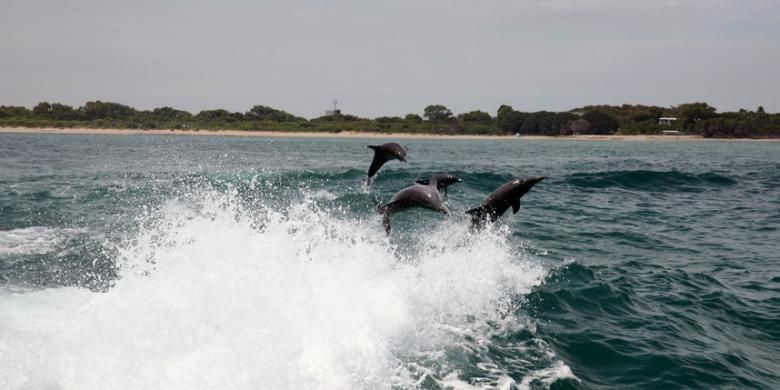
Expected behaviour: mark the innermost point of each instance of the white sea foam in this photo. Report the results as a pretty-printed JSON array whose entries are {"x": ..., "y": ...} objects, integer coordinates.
[
  {"x": 36, "y": 240},
  {"x": 207, "y": 299},
  {"x": 322, "y": 194},
  {"x": 548, "y": 375}
]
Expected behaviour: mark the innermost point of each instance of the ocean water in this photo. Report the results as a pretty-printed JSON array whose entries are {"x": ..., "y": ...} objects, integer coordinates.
[{"x": 173, "y": 262}]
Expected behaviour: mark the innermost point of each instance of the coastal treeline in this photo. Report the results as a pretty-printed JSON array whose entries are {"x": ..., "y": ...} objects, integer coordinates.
[{"x": 690, "y": 118}]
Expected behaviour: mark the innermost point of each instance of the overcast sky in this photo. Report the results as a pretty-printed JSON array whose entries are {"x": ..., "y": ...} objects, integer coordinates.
[{"x": 391, "y": 57}]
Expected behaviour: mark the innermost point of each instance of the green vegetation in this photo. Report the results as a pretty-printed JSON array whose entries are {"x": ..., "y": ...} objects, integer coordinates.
[{"x": 691, "y": 118}]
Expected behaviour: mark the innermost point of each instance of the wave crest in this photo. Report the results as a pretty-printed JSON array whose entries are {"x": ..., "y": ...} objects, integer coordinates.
[{"x": 654, "y": 181}]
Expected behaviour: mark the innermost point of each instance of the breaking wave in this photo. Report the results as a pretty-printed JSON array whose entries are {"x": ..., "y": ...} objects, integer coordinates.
[{"x": 211, "y": 295}]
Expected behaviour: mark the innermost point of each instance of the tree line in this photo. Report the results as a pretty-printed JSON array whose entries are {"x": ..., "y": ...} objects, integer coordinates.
[{"x": 691, "y": 118}]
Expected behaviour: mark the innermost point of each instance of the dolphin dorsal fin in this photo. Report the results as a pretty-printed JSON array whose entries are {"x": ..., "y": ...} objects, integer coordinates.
[{"x": 515, "y": 206}]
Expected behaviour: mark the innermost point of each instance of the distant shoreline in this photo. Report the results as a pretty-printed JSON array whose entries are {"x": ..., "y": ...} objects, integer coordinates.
[{"x": 353, "y": 134}]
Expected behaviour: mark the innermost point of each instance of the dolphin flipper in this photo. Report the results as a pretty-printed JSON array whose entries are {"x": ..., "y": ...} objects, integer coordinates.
[{"x": 515, "y": 206}]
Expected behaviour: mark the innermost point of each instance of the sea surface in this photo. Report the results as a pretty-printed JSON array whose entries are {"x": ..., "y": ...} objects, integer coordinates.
[{"x": 184, "y": 262}]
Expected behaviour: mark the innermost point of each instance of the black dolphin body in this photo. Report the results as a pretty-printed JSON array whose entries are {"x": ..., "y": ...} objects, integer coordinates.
[
  {"x": 497, "y": 203},
  {"x": 416, "y": 196},
  {"x": 441, "y": 181},
  {"x": 382, "y": 154}
]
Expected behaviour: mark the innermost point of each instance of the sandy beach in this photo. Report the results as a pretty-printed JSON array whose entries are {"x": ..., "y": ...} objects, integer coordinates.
[{"x": 352, "y": 134}]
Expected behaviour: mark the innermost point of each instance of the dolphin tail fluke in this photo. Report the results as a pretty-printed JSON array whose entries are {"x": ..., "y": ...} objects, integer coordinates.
[
  {"x": 386, "y": 222},
  {"x": 376, "y": 163},
  {"x": 478, "y": 211},
  {"x": 479, "y": 215},
  {"x": 384, "y": 210}
]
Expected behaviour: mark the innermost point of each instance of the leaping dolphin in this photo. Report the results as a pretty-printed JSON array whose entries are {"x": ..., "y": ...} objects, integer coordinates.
[
  {"x": 441, "y": 181},
  {"x": 382, "y": 154},
  {"x": 499, "y": 201},
  {"x": 418, "y": 195}
]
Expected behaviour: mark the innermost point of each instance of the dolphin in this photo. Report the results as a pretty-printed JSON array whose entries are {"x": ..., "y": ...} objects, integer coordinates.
[
  {"x": 382, "y": 154},
  {"x": 441, "y": 181},
  {"x": 417, "y": 195},
  {"x": 498, "y": 202}
]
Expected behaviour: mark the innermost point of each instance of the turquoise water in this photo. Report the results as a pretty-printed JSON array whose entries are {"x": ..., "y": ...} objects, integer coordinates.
[{"x": 229, "y": 262}]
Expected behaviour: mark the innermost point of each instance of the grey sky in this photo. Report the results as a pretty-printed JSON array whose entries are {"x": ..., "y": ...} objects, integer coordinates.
[{"x": 391, "y": 57}]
